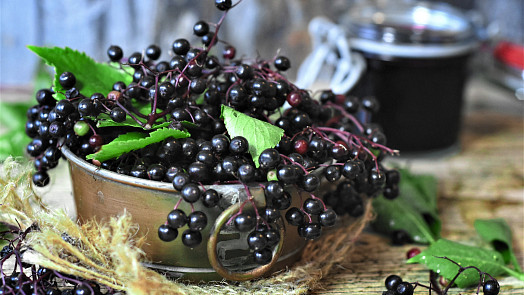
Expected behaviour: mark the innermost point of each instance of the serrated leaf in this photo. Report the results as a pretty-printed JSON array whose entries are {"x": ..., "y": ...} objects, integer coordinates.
[
  {"x": 133, "y": 141},
  {"x": 91, "y": 76},
  {"x": 498, "y": 233},
  {"x": 486, "y": 260},
  {"x": 414, "y": 211},
  {"x": 259, "y": 134}
]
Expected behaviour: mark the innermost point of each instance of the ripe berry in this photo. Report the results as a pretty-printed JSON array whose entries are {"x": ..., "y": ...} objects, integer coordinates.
[
  {"x": 310, "y": 183},
  {"x": 491, "y": 287},
  {"x": 201, "y": 28},
  {"x": 283, "y": 202},
  {"x": 41, "y": 178},
  {"x": 118, "y": 114},
  {"x": 156, "y": 172},
  {"x": 176, "y": 218},
  {"x": 223, "y": 4},
  {"x": 191, "y": 238},
  {"x": 328, "y": 217},
  {"x": 153, "y": 52},
  {"x": 269, "y": 158},
  {"x": 64, "y": 107},
  {"x": 313, "y": 206},
  {"x": 181, "y": 46},
  {"x": 67, "y": 80},
  {"x": 257, "y": 240},
  {"x": 115, "y": 53},
  {"x": 210, "y": 198},
  {"x": 135, "y": 58},
  {"x": 310, "y": 231},
  {"x": 245, "y": 222},
  {"x": 197, "y": 220},
  {"x": 282, "y": 63},
  {"x": 45, "y": 97},
  {"x": 295, "y": 217},
  {"x": 392, "y": 282},
  {"x": 167, "y": 233},
  {"x": 405, "y": 288},
  {"x": 96, "y": 140},
  {"x": 190, "y": 192},
  {"x": 263, "y": 256}
]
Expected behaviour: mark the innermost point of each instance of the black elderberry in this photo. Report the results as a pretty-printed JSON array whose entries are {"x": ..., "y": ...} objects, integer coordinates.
[
  {"x": 119, "y": 86},
  {"x": 64, "y": 107},
  {"x": 180, "y": 180},
  {"x": 351, "y": 104},
  {"x": 310, "y": 231},
  {"x": 405, "y": 288},
  {"x": 272, "y": 236},
  {"x": 274, "y": 190},
  {"x": 135, "y": 59},
  {"x": 36, "y": 146},
  {"x": 45, "y": 97},
  {"x": 177, "y": 62},
  {"x": 167, "y": 233},
  {"x": 181, "y": 46},
  {"x": 391, "y": 191},
  {"x": 246, "y": 173},
  {"x": 283, "y": 202},
  {"x": 176, "y": 218},
  {"x": 156, "y": 172},
  {"x": 491, "y": 287},
  {"x": 207, "y": 38},
  {"x": 271, "y": 214},
  {"x": 67, "y": 80},
  {"x": 118, "y": 114},
  {"x": 313, "y": 206},
  {"x": 191, "y": 238},
  {"x": 245, "y": 222},
  {"x": 210, "y": 198},
  {"x": 223, "y": 4},
  {"x": 263, "y": 256},
  {"x": 198, "y": 86},
  {"x": 295, "y": 217},
  {"x": 269, "y": 158},
  {"x": 197, "y": 220},
  {"x": 153, "y": 52},
  {"x": 282, "y": 63},
  {"x": 200, "y": 28},
  {"x": 256, "y": 240},
  {"x": 115, "y": 53},
  {"x": 230, "y": 164},
  {"x": 371, "y": 104},
  {"x": 139, "y": 171},
  {"x": 327, "y": 218},
  {"x": 332, "y": 173},
  {"x": 392, "y": 282},
  {"x": 288, "y": 174},
  {"x": 41, "y": 178},
  {"x": 190, "y": 192},
  {"x": 220, "y": 143},
  {"x": 238, "y": 145},
  {"x": 56, "y": 129},
  {"x": 351, "y": 169},
  {"x": 198, "y": 172},
  {"x": 310, "y": 183},
  {"x": 189, "y": 148}
]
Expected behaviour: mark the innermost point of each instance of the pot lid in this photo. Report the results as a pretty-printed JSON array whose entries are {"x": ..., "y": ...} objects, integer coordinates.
[{"x": 408, "y": 22}]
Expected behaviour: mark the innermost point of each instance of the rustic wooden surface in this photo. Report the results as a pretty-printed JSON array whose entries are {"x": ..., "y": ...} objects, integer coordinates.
[{"x": 484, "y": 178}]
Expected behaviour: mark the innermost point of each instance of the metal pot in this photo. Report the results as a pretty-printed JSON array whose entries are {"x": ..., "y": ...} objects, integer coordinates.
[{"x": 223, "y": 253}]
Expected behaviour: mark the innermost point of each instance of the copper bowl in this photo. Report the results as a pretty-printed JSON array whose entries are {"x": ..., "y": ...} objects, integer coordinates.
[{"x": 223, "y": 253}]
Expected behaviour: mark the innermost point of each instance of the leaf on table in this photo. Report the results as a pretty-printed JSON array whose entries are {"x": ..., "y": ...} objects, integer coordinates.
[
  {"x": 91, "y": 76},
  {"x": 259, "y": 134},
  {"x": 413, "y": 211},
  {"x": 486, "y": 260},
  {"x": 498, "y": 233},
  {"x": 133, "y": 141}
]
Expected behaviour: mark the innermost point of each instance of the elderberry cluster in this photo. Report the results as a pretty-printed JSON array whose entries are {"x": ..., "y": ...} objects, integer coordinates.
[
  {"x": 326, "y": 136},
  {"x": 28, "y": 278}
]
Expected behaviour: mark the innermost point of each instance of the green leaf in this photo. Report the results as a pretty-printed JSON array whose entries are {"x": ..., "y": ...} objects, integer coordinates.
[
  {"x": 133, "y": 141},
  {"x": 498, "y": 233},
  {"x": 414, "y": 211},
  {"x": 260, "y": 135},
  {"x": 129, "y": 122},
  {"x": 14, "y": 114},
  {"x": 91, "y": 76},
  {"x": 486, "y": 260},
  {"x": 393, "y": 215},
  {"x": 13, "y": 143}
]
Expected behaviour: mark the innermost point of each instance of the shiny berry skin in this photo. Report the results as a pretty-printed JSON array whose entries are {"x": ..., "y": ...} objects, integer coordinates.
[
  {"x": 156, "y": 172},
  {"x": 491, "y": 287},
  {"x": 197, "y": 220},
  {"x": 67, "y": 80},
  {"x": 271, "y": 214},
  {"x": 45, "y": 97},
  {"x": 256, "y": 240},
  {"x": 313, "y": 206},
  {"x": 245, "y": 222},
  {"x": 220, "y": 143},
  {"x": 115, "y": 53},
  {"x": 272, "y": 236},
  {"x": 176, "y": 218},
  {"x": 153, "y": 52},
  {"x": 351, "y": 169},
  {"x": 191, "y": 238},
  {"x": 229, "y": 52},
  {"x": 310, "y": 231},
  {"x": 371, "y": 104},
  {"x": 118, "y": 114},
  {"x": 200, "y": 28},
  {"x": 36, "y": 146},
  {"x": 223, "y": 4},
  {"x": 135, "y": 58},
  {"x": 81, "y": 128},
  {"x": 238, "y": 145},
  {"x": 56, "y": 129},
  {"x": 41, "y": 178},
  {"x": 283, "y": 202},
  {"x": 96, "y": 140},
  {"x": 282, "y": 63},
  {"x": 332, "y": 173},
  {"x": 181, "y": 46},
  {"x": 64, "y": 107},
  {"x": 180, "y": 180},
  {"x": 190, "y": 192},
  {"x": 392, "y": 282},
  {"x": 269, "y": 158},
  {"x": 327, "y": 218},
  {"x": 274, "y": 190},
  {"x": 86, "y": 107},
  {"x": 295, "y": 217},
  {"x": 263, "y": 256},
  {"x": 294, "y": 98},
  {"x": 246, "y": 173},
  {"x": 405, "y": 288},
  {"x": 210, "y": 198},
  {"x": 167, "y": 233},
  {"x": 288, "y": 174},
  {"x": 310, "y": 183}
]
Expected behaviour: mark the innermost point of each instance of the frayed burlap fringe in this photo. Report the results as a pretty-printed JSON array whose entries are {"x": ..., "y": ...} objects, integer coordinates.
[{"x": 110, "y": 254}]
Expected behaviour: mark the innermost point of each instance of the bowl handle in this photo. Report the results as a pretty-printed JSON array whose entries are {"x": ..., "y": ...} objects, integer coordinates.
[{"x": 221, "y": 220}]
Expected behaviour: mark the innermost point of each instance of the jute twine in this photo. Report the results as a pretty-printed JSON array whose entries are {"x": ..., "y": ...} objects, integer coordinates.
[{"x": 110, "y": 253}]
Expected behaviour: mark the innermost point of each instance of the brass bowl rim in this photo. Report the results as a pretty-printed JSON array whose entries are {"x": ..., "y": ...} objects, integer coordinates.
[{"x": 130, "y": 180}]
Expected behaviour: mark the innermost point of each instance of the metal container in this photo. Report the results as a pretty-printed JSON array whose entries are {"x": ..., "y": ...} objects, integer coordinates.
[
  {"x": 417, "y": 65},
  {"x": 223, "y": 253}
]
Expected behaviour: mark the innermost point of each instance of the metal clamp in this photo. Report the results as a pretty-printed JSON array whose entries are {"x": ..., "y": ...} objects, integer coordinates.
[{"x": 217, "y": 264}]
